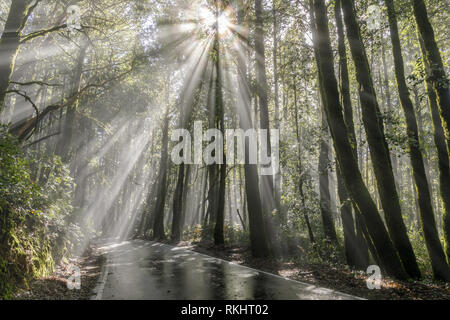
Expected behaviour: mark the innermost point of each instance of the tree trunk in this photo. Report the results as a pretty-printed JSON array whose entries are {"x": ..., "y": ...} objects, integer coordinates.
[
  {"x": 301, "y": 181},
  {"x": 442, "y": 151},
  {"x": 220, "y": 124},
  {"x": 146, "y": 222},
  {"x": 262, "y": 91},
  {"x": 440, "y": 268},
  {"x": 388, "y": 102},
  {"x": 324, "y": 182},
  {"x": 213, "y": 169},
  {"x": 203, "y": 197},
  {"x": 356, "y": 249},
  {"x": 277, "y": 177},
  {"x": 65, "y": 142},
  {"x": 178, "y": 206},
  {"x": 10, "y": 42},
  {"x": 373, "y": 123},
  {"x": 219, "y": 238},
  {"x": 158, "y": 212},
  {"x": 438, "y": 76},
  {"x": 258, "y": 235},
  {"x": 345, "y": 154}
]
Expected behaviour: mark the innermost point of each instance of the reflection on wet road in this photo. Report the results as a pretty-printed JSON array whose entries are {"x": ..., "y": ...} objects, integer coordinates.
[{"x": 141, "y": 270}]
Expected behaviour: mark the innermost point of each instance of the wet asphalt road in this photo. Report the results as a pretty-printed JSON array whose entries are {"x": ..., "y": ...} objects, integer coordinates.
[{"x": 142, "y": 270}]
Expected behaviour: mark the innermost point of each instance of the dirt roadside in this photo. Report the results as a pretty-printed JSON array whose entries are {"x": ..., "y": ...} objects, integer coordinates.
[{"x": 55, "y": 287}]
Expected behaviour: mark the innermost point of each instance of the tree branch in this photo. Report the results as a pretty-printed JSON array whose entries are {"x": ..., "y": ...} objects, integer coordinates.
[
  {"x": 42, "y": 139},
  {"x": 40, "y": 33},
  {"x": 27, "y": 98},
  {"x": 41, "y": 83}
]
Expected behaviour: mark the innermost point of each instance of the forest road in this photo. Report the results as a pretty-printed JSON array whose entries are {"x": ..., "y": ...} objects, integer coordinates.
[{"x": 144, "y": 270}]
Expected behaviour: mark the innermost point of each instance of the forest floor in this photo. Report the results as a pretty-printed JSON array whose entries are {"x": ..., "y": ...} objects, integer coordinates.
[
  {"x": 55, "y": 287},
  {"x": 339, "y": 278}
]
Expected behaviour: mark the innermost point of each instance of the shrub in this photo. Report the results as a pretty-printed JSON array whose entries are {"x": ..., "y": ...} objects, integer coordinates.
[{"x": 34, "y": 230}]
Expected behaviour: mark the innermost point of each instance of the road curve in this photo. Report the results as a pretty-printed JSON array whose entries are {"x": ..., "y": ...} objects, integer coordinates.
[{"x": 143, "y": 270}]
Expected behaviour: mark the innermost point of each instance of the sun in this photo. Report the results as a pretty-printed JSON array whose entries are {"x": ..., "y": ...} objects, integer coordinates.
[
  {"x": 206, "y": 17},
  {"x": 224, "y": 24},
  {"x": 207, "y": 21}
]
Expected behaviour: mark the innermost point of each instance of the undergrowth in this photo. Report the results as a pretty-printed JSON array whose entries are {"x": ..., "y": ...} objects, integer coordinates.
[{"x": 34, "y": 209}]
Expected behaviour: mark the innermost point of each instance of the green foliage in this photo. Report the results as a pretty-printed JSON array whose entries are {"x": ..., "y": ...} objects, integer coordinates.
[
  {"x": 234, "y": 234},
  {"x": 417, "y": 241},
  {"x": 299, "y": 248},
  {"x": 397, "y": 136},
  {"x": 194, "y": 233},
  {"x": 33, "y": 216},
  {"x": 16, "y": 186}
]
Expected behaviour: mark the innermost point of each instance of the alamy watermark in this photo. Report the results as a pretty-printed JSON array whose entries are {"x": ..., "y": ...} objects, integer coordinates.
[
  {"x": 254, "y": 142},
  {"x": 73, "y": 18},
  {"x": 375, "y": 278},
  {"x": 74, "y": 281},
  {"x": 374, "y": 17}
]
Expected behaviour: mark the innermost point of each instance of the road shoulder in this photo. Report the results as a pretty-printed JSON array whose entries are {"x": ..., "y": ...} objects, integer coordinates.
[{"x": 55, "y": 287}]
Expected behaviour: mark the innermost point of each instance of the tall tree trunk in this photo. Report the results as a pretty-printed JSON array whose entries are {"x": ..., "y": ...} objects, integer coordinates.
[
  {"x": 373, "y": 123},
  {"x": 437, "y": 71},
  {"x": 158, "y": 212},
  {"x": 355, "y": 245},
  {"x": 277, "y": 177},
  {"x": 178, "y": 206},
  {"x": 420, "y": 125},
  {"x": 441, "y": 147},
  {"x": 187, "y": 206},
  {"x": 263, "y": 91},
  {"x": 203, "y": 197},
  {"x": 267, "y": 181},
  {"x": 438, "y": 260},
  {"x": 213, "y": 169},
  {"x": 146, "y": 222},
  {"x": 10, "y": 42},
  {"x": 387, "y": 90},
  {"x": 345, "y": 155},
  {"x": 301, "y": 181},
  {"x": 65, "y": 143},
  {"x": 258, "y": 235},
  {"x": 220, "y": 124},
  {"x": 219, "y": 238},
  {"x": 324, "y": 182},
  {"x": 187, "y": 101},
  {"x": 82, "y": 172},
  {"x": 348, "y": 224}
]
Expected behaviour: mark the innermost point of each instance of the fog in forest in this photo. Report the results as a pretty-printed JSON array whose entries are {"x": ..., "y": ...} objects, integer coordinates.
[{"x": 295, "y": 137}]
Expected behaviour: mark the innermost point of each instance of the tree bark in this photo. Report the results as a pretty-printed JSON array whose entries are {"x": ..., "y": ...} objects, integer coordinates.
[
  {"x": 158, "y": 212},
  {"x": 267, "y": 182},
  {"x": 356, "y": 249},
  {"x": 301, "y": 180},
  {"x": 10, "y": 42},
  {"x": 324, "y": 182},
  {"x": 178, "y": 206},
  {"x": 345, "y": 155},
  {"x": 438, "y": 260},
  {"x": 277, "y": 177},
  {"x": 258, "y": 235},
  {"x": 220, "y": 123},
  {"x": 438, "y": 76},
  {"x": 65, "y": 143},
  {"x": 388, "y": 102},
  {"x": 379, "y": 150},
  {"x": 442, "y": 149}
]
